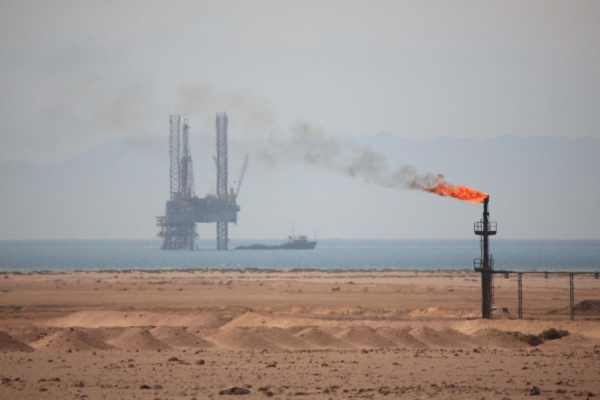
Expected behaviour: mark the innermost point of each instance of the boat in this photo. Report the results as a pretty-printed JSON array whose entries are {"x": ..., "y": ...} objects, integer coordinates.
[
  {"x": 293, "y": 243},
  {"x": 297, "y": 243}
]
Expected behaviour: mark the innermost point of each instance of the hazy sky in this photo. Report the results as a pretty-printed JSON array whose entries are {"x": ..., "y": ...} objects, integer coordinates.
[{"x": 75, "y": 74}]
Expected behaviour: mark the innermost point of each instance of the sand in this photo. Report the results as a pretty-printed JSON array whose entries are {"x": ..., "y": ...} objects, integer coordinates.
[{"x": 193, "y": 334}]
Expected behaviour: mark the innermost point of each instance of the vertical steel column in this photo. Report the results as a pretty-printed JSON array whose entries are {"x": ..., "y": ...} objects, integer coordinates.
[
  {"x": 222, "y": 233},
  {"x": 486, "y": 274},
  {"x": 492, "y": 289},
  {"x": 572, "y": 296},
  {"x": 174, "y": 155},
  {"x": 520, "y": 291},
  {"x": 180, "y": 237},
  {"x": 186, "y": 180},
  {"x": 486, "y": 295}
]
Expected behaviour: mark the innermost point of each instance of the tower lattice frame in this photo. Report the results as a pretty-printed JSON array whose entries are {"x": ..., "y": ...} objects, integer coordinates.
[{"x": 222, "y": 229}]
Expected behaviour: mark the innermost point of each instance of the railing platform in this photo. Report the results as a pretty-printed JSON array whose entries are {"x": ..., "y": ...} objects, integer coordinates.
[{"x": 479, "y": 228}]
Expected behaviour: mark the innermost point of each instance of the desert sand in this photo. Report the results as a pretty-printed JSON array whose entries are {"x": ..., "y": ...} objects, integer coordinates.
[{"x": 292, "y": 334}]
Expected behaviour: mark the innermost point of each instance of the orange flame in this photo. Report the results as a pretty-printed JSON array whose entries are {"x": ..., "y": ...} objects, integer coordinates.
[{"x": 458, "y": 192}]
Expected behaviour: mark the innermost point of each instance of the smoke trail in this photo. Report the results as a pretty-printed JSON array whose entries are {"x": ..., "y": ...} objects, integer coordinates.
[
  {"x": 313, "y": 146},
  {"x": 250, "y": 113}
]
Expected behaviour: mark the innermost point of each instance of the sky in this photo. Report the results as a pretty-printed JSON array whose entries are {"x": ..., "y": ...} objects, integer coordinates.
[{"x": 76, "y": 74}]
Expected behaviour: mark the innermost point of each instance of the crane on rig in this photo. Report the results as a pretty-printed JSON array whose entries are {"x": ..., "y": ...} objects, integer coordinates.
[
  {"x": 233, "y": 194},
  {"x": 239, "y": 185}
]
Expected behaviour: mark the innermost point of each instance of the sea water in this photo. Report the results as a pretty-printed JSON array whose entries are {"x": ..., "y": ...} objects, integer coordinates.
[{"x": 550, "y": 255}]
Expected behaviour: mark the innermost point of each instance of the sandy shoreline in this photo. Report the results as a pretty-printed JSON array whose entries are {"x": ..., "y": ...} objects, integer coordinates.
[{"x": 319, "y": 334}]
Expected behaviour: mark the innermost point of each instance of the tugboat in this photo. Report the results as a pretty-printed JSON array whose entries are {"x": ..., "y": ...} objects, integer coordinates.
[
  {"x": 294, "y": 243},
  {"x": 297, "y": 243}
]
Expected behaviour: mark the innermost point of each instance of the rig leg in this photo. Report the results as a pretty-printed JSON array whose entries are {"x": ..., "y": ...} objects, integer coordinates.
[
  {"x": 222, "y": 236},
  {"x": 222, "y": 192},
  {"x": 179, "y": 237}
]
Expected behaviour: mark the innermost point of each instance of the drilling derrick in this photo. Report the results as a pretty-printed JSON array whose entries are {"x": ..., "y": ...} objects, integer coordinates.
[
  {"x": 184, "y": 209},
  {"x": 174, "y": 155},
  {"x": 178, "y": 227},
  {"x": 222, "y": 195},
  {"x": 187, "y": 169}
]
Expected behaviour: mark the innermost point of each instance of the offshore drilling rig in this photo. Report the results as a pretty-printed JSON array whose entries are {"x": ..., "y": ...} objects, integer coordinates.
[{"x": 184, "y": 209}]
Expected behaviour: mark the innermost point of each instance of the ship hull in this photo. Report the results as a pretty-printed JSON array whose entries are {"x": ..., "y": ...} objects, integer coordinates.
[
  {"x": 285, "y": 246},
  {"x": 298, "y": 246}
]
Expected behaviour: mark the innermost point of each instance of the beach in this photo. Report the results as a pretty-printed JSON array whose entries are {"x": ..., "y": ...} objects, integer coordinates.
[{"x": 299, "y": 333}]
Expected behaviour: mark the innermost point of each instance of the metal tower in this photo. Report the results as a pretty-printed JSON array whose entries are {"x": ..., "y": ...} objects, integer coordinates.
[
  {"x": 485, "y": 264},
  {"x": 187, "y": 169},
  {"x": 222, "y": 195},
  {"x": 178, "y": 227},
  {"x": 174, "y": 155}
]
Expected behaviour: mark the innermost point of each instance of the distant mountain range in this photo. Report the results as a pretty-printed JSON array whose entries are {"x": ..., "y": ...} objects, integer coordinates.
[{"x": 540, "y": 187}]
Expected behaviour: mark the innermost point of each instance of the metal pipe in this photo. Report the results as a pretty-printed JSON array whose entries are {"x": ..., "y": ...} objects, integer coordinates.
[
  {"x": 486, "y": 249},
  {"x": 520, "y": 291},
  {"x": 572, "y": 297},
  {"x": 486, "y": 275}
]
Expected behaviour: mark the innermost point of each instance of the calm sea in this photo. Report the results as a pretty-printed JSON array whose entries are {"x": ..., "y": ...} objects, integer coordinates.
[{"x": 329, "y": 254}]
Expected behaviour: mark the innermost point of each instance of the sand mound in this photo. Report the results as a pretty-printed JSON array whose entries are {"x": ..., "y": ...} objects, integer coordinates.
[
  {"x": 105, "y": 334},
  {"x": 461, "y": 338},
  {"x": 201, "y": 332},
  {"x": 255, "y": 319},
  {"x": 365, "y": 337},
  {"x": 30, "y": 334},
  {"x": 209, "y": 321},
  {"x": 177, "y": 336},
  {"x": 249, "y": 319},
  {"x": 72, "y": 338},
  {"x": 448, "y": 338},
  {"x": 242, "y": 338},
  {"x": 138, "y": 339},
  {"x": 281, "y": 337},
  {"x": 495, "y": 338},
  {"x": 401, "y": 337},
  {"x": 8, "y": 343},
  {"x": 318, "y": 338},
  {"x": 299, "y": 328},
  {"x": 96, "y": 319}
]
